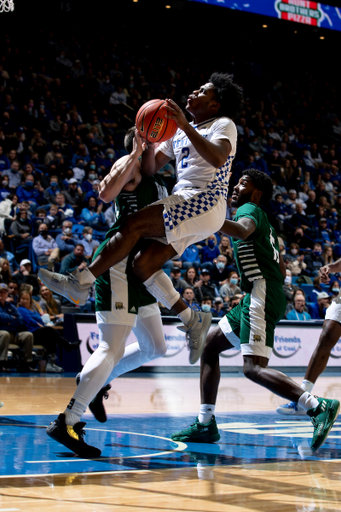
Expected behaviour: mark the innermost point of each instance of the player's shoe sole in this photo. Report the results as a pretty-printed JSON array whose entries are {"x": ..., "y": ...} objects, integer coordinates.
[
  {"x": 323, "y": 418},
  {"x": 291, "y": 409},
  {"x": 72, "y": 437},
  {"x": 198, "y": 433},
  {"x": 66, "y": 286}
]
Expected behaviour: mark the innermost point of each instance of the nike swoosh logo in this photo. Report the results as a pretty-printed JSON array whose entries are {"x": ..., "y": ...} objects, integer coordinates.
[
  {"x": 74, "y": 300},
  {"x": 200, "y": 319}
]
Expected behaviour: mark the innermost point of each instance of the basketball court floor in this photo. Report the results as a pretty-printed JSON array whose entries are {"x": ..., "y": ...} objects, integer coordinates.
[{"x": 261, "y": 463}]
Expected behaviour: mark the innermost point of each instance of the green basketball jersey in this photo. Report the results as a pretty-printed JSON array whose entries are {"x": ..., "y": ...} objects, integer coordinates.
[
  {"x": 150, "y": 189},
  {"x": 258, "y": 256}
]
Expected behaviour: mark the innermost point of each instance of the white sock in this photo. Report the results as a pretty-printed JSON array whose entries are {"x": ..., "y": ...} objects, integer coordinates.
[
  {"x": 161, "y": 287},
  {"x": 307, "y": 385},
  {"x": 307, "y": 401},
  {"x": 185, "y": 316},
  {"x": 85, "y": 277},
  {"x": 74, "y": 411},
  {"x": 206, "y": 412}
]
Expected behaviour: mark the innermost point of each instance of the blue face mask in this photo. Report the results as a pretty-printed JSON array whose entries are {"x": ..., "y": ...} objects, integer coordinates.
[
  {"x": 205, "y": 308},
  {"x": 54, "y": 184},
  {"x": 220, "y": 265},
  {"x": 29, "y": 184},
  {"x": 234, "y": 281},
  {"x": 210, "y": 243},
  {"x": 92, "y": 167},
  {"x": 335, "y": 290}
]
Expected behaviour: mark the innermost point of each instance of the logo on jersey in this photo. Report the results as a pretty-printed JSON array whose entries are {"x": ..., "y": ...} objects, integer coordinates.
[
  {"x": 257, "y": 338},
  {"x": 119, "y": 305}
]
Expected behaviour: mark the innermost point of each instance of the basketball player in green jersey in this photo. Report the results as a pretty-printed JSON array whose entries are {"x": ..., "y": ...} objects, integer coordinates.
[{"x": 250, "y": 326}]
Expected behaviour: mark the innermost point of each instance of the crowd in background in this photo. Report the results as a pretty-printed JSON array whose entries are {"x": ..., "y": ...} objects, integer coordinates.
[{"x": 63, "y": 116}]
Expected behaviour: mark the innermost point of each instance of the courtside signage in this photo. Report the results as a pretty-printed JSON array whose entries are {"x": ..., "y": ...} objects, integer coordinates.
[{"x": 299, "y": 11}]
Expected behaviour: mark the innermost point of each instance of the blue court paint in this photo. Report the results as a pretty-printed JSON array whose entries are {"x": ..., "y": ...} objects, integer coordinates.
[{"x": 141, "y": 442}]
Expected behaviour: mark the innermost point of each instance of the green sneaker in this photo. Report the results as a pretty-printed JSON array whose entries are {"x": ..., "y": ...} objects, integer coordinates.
[
  {"x": 199, "y": 433},
  {"x": 323, "y": 417}
]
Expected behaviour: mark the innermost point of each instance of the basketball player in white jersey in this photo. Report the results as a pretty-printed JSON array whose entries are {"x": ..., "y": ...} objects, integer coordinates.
[{"x": 204, "y": 150}]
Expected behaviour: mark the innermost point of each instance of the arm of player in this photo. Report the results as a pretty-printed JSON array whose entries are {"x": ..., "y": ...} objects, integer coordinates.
[
  {"x": 214, "y": 152},
  {"x": 324, "y": 272},
  {"x": 282, "y": 267},
  {"x": 125, "y": 170},
  {"x": 152, "y": 160},
  {"x": 240, "y": 229}
]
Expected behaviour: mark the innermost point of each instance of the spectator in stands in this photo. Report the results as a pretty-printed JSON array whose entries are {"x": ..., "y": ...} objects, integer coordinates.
[
  {"x": 31, "y": 192},
  {"x": 192, "y": 279},
  {"x": 316, "y": 290},
  {"x": 65, "y": 208},
  {"x": 234, "y": 301},
  {"x": 311, "y": 203},
  {"x": 219, "y": 271},
  {"x": 318, "y": 309},
  {"x": 314, "y": 261},
  {"x": 12, "y": 330},
  {"x": 4, "y": 189},
  {"x": 13, "y": 292},
  {"x": 230, "y": 288},
  {"x": 45, "y": 248},
  {"x": 327, "y": 254},
  {"x": 52, "y": 190},
  {"x": 334, "y": 288},
  {"x": 26, "y": 277},
  {"x": 8, "y": 256},
  {"x": 66, "y": 240},
  {"x": 4, "y": 162},
  {"x": 74, "y": 195},
  {"x": 21, "y": 229},
  {"x": 293, "y": 200},
  {"x": 225, "y": 248},
  {"x": 74, "y": 260},
  {"x": 210, "y": 252},
  {"x": 189, "y": 298},
  {"x": 5, "y": 271},
  {"x": 89, "y": 243},
  {"x": 14, "y": 176},
  {"x": 94, "y": 192},
  {"x": 190, "y": 257},
  {"x": 55, "y": 218},
  {"x": 294, "y": 260},
  {"x": 217, "y": 309},
  {"x": 208, "y": 289},
  {"x": 50, "y": 305},
  {"x": 92, "y": 215},
  {"x": 288, "y": 288},
  {"x": 298, "y": 313},
  {"x": 325, "y": 233},
  {"x": 178, "y": 283},
  {"x": 206, "y": 304}
]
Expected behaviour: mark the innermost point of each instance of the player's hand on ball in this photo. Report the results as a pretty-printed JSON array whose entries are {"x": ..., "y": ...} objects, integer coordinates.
[
  {"x": 176, "y": 113},
  {"x": 324, "y": 274}
]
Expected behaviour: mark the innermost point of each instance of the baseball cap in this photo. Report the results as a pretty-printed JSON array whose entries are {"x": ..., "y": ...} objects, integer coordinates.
[
  {"x": 323, "y": 295},
  {"x": 3, "y": 286},
  {"x": 175, "y": 269},
  {"x": 25, "y": 262},
  {"x": 218, "y": 299},
  {"x": 204, "y": 271},
  {"x": 72, "y": 180}
]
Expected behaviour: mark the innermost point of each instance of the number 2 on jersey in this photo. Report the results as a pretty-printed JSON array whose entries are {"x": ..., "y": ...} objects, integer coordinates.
[{"x": 185, "y": 153}]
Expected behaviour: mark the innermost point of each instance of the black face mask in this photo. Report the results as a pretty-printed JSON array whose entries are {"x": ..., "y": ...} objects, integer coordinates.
[{"x": 43, "y": 232}]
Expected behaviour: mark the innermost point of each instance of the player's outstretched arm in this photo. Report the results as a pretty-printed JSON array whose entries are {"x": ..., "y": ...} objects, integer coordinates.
[
  {"x": 215, "y": 152},
  {"x": 152, "y": 160},
  {"x": 240, "y": 229},
  {"x": 124, "y": 171}
]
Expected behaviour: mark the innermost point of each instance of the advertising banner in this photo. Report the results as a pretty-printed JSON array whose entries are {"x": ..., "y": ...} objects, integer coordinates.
[
  {"x": 293, "y": 347},
  {"x": 299, "y": 11}
]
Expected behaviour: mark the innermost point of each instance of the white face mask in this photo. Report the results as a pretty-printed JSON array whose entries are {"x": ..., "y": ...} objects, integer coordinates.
[
  {"x": 287, "y": 280},
  {"x": 294, "y": 251},
  {"x": 88, "y": 237},
  {"x": 68, "y": 231}
]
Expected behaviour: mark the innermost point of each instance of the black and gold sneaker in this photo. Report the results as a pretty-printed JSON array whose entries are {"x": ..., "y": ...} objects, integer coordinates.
[{"x": 72, "y": 437}]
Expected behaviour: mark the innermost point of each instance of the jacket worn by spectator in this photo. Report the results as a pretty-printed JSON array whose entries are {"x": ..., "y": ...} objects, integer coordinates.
[
  {"x": 10, "y": 318},
  {"x": 41, "y": 245}
]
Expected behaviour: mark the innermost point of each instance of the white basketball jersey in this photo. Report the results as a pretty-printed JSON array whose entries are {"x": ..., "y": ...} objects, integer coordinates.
[{"x": 192, "y": 169}]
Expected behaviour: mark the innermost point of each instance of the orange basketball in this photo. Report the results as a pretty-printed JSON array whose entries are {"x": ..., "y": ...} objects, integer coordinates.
[{"x": 152, "y": 123}]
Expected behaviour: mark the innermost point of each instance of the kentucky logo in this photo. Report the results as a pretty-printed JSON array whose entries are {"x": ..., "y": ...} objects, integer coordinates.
[
  {"x": 257, "y": 338},
  {"x": 119, "y": 305}
]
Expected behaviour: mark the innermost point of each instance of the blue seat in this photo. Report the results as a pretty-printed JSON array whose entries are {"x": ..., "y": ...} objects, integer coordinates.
[
  {"x": 294, "y": 279},
  {"x": 307, "y": 288}
]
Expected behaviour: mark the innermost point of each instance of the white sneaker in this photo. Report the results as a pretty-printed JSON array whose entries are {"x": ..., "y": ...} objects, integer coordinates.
[
  {"x": 67, "y": 286},
  {"x": 53, "y": 368},
  {"x": 291, "y": 409},
  {"x": 196, "y": 332}
]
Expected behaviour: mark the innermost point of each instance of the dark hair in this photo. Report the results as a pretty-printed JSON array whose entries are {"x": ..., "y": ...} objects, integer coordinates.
[
  {"x": 227, "y": 93},
  {"x": 128, "y": 139},
  {"x": 262, "y": 182},
  {"x": 186, "y": 274}
]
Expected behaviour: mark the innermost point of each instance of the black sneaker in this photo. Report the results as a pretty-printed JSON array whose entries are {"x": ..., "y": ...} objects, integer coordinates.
[
  {"x": 72, "y": 437},
  {"x": 96, "y": 405}
]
